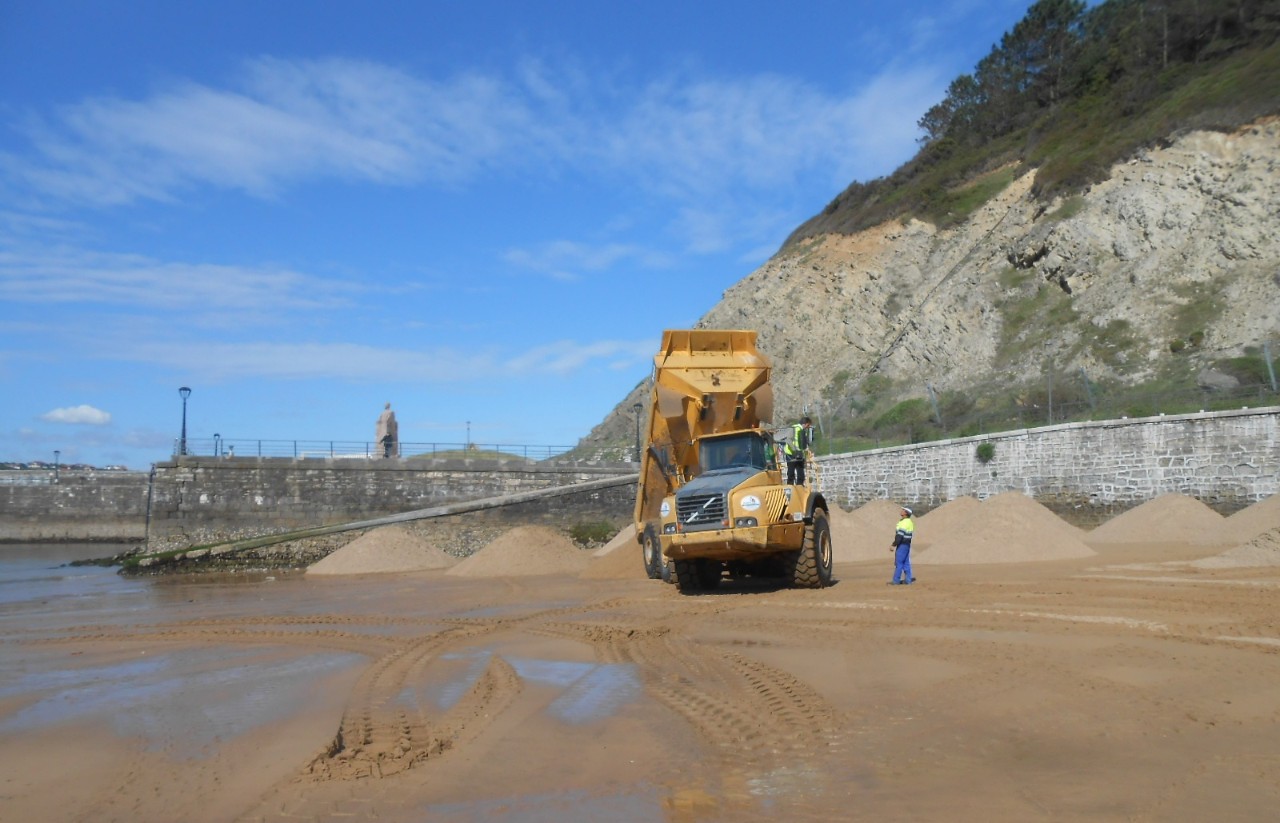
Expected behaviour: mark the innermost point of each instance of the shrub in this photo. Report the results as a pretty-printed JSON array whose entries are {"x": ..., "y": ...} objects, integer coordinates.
[
  {"x": 986, "y": 451},
  {"x": 593, "y": 533},
  {"x": 907, "y": 416}
]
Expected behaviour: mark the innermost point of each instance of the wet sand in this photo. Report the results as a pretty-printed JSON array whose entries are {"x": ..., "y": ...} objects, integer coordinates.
[{"x": 1112, "y": 687}]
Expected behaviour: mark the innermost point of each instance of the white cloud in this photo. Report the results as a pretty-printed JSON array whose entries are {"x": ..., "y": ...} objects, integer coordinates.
[
  {"x": 567, "y": 259},
  {"x": 566, "y": 356},
  {"x": 364, "y": 363},
  {"x": 64, "y": 275},
  {"x": 287, "y": 122},
  {"x": 82, "y": 415}
]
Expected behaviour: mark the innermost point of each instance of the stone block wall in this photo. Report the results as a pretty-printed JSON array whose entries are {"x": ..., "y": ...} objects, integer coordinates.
[
  {"x": 197, "y": 497},
  {"x": 80, "y": 507},
  {"x": 1227, "y": 460},
  {"x": 1084, "y": 471}
]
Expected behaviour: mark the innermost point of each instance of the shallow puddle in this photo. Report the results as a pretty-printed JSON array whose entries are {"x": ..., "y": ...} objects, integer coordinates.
[
  {"x": 590, "y": 691},
  {"x": 641, "y": 804},
  {"x": 179, "y": 702}
]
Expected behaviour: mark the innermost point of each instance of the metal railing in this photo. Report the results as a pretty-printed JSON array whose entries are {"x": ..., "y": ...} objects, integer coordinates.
[{"x": 234, "y": 447}]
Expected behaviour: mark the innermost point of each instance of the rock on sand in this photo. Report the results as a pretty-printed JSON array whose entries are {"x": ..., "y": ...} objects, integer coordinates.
[
  {"x": 523, "y": 551},
  {"x": 381, "y": 550}
]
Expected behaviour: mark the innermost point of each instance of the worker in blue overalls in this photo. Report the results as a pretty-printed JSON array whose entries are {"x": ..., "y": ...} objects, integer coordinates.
[{"x": 902, "y": 550}]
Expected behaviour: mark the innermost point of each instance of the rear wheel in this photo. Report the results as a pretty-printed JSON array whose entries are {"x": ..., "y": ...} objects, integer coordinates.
[
  {"x": 651, "y": 553},
  {"x": 810, "y": 568}
]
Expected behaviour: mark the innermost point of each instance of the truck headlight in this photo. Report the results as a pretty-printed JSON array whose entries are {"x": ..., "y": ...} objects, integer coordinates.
[
  {"x": 744, "y": 522},
  {"x": 669, "y": 528}
]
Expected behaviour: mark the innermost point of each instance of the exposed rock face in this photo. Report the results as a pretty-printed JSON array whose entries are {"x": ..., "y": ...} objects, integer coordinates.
[{"x": 1182, "y": 241}]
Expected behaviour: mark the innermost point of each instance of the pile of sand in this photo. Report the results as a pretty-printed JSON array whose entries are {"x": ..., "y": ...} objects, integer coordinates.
[
  {"x": 522, "y": 551},
  {"x": 627, "y": 535},
  {"x": 625, "y": 561},
  {"x": 1169, "y": 518},
  {"x": 950, "y": 518},
  {"x": 1262, "y": 516},
  {"x": 866, "y": 533},
  {"x": 381, "y": 550},
  {"x": 1007, "y": 528},
  {"x": 1263, "y": 550}
]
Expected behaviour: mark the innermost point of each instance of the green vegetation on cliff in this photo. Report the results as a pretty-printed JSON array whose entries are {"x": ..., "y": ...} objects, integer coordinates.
[{"x": 1069, "y": 91}]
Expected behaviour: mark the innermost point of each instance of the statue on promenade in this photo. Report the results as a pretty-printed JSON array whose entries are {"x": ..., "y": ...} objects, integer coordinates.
[{"x": 387, "y": 434}]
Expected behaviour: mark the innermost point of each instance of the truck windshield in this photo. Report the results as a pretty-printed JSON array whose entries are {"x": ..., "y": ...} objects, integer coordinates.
[{"x": 747, "y": 451}]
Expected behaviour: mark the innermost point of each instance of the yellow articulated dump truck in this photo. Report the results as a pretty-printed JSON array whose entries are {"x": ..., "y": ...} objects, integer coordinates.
[{"x": 711, "y": 499}]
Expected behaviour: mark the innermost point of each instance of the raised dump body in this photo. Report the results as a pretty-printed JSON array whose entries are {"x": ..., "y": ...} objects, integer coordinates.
[{"x": 711, "y": 497}]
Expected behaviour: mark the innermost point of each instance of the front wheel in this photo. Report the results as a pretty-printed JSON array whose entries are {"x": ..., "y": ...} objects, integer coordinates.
[
  {"x": 687, "y": 579},
  {"x": 709, "y": 572},
  {"x": 810, "y": 568},
  {"x": 651, "y": 553}
]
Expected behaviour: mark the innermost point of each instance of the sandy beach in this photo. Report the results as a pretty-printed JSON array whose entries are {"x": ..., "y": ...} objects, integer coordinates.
[{"x": 1108, "y": 679}]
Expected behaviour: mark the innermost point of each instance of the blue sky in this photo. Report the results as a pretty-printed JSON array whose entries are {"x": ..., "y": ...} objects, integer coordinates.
[{"x": 484, "y": 213}]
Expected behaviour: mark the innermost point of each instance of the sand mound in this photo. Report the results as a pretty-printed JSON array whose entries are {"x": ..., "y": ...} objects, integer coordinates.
[
  {"x": 882, "y": 512},
  {"x": 951, "y": 518},
  {"x": 1262, "y": 516},
  {"x": 627, "y": 535},
  {"x": 525, "y": 550},
  {"x": 1263, "y": 550},
  {"x": 381, "y": 550},
  {"x": 864, "y": 533},
  {"x": 623, "y": 562},
  {"x": 1169, "y": 518},
  {"x": 1007, "y": 528}
]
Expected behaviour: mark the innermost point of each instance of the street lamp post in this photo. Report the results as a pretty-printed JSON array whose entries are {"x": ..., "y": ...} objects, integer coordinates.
[
  {"x": 637, "y": 408},
  {"x": 217, "y": 444},
  {"x": 182, "y": 444},
  {"x": 57, "y": 455},
  {"x": 468, "y": 436}
]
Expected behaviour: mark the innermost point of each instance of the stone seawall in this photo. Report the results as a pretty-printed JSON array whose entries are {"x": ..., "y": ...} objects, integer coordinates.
[
  {"x": 202, "y": 499},
  {"x": 1092, "y": 470},
  {"x": 1084, "y": 471},
  {"x": 79, "y": 507},
  {"x": 196, "y": 499}
]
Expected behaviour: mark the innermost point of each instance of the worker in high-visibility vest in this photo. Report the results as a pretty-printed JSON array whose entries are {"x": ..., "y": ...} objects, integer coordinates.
[
  {"x": 797, "y": 443},
  {"x": 902, "y": 550}
]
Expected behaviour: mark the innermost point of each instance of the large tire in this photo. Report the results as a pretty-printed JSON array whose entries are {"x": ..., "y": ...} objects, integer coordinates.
[
  {"x": 811, "y": 566},
  {"x": 710, "y": 573},
  {"x": 686, "y": 575},
  {"x": 651, "y": 553},
  {"x": 668, "y": 571}
]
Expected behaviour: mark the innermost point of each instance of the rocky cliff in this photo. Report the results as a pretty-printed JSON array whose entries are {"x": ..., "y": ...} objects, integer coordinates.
[{"x": 1167, "y": 266}]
